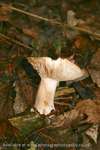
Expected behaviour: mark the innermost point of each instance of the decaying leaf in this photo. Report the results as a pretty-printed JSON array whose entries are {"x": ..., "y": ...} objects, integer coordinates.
[
  {"x": 26, "y": 91},
  {"x": 84, "y": 92},
  {"x": 27, "y": 122},
  {"x": 93, "y": 132},
  {"x": 63, "y": 91},
  {"x": 94, "y": 68},
  {"x": 72, "y": 20},
  {"x": 19, "y": 104},
  {"x": 4, "y": 12},
  {"x": 66, "y": 119},
  {"x": 91, "y": 109},
  {"x": 30, "y": 32},
  {"x": 6, "y": 129},
  {"x": 6, "y": 101}
]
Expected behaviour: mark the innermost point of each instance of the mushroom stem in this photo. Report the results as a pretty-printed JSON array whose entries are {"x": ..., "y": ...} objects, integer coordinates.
[{"x": 45, "y": 96}]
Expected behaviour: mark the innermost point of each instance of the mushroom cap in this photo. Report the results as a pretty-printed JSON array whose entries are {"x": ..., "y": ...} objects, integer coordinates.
[{"x": 60, "y": 69}]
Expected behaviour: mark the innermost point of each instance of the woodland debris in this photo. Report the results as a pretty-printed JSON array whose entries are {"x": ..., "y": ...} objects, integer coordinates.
[
  {"x": 64, "y": 91},
  {"x": 94, "y": 68},
  {"x": 87, "y": 110},
  {"x": 72, "y": 20},
  {"x": 84, "y": 92},
  {"x": 6, "y": 101},
  {"x": 19, "y": 104},
  {"x": 92, "y": 132},
  {"x": 78, "y": 28},
  {"x": 4, "y": 13},
  {"x": 90, "y": 108},
  {"x": 27, "y": 122}
]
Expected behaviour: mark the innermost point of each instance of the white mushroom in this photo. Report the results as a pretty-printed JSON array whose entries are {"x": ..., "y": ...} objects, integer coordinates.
[{"x": 51, "y": 72}]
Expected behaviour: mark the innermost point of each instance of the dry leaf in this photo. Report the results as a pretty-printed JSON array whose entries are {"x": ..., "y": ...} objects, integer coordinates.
[
  {"x": 93, "y": 132},
  {"x": 91, "y": 109},
  {"x": 30, "y": 32},
  {"x": 25, "y": 93},
  {"x": 4, "y": 12},
  {"x": 66, "y": 119},
  {"x": 72, "y": 20},
  {"x": 19, "y": 104},
  {"x": 64, "y": 91},
  {"x": 94, "y": 68},
  {"x": 6, "y": 128},
  {"x": 81, "y": 42},
  {"x": 6, "y": 101},
  {"x": 10, "y": 68}
]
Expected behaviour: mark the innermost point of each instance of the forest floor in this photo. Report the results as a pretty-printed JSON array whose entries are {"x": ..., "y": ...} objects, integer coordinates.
[{"x": 51, "y": 28}]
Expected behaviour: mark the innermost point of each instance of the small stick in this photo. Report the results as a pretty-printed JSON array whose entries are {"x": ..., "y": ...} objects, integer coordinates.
[
  {"x": 96, "y": 35},
  {"x": 14, "y": 41}
]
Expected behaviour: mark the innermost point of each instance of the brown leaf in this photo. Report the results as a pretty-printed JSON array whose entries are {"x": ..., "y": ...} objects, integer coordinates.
[
  {"x": 91, "y": 109},
  {"x": 80, "y": 42},
  {"x": 92, "y": 132},
  {"x": 7, "y": 129},
  {"x": 6, "y": 101},
  {"x": 3, "y": 127},
  {"x": 67, "y": 119},
  {"x": 10, "y": 68},
  {"x": 25, "y": 87},
  {"x": 19, "y": 104},
  {"x": 4, "y": 12},
  {"x": 94, "y": 68},
  {"x": 64, "y": 91},
  {"x": 30, "y": 32}
]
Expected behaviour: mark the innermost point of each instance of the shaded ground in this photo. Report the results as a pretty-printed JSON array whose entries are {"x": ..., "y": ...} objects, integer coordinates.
[{"x": 42, "y": 28}]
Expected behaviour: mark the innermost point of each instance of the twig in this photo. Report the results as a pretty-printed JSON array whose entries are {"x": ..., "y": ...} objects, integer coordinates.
[
  {"x": 47, "y": 136},
  {"x": 96, "y": 35},
  {"x": 36, "y": 16},
  {"x": 64, "y": 91},
  {"x": 15, "y": 41},
  {"x": 41, "y": 129},
  {"x": 63, "y": 98},
  {"x": 61, "y": 103},
  {"x": 52, "y": 21}
]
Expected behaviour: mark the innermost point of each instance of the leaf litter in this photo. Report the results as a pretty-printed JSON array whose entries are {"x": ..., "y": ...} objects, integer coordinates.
[{"x": 53, "y": 29}]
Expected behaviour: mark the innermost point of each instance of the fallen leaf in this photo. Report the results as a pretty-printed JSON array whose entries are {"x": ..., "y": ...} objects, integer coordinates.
[
  {"x": 91, "y": 109},
  {"x": 30, "y": 32},
  {"x": 81, "y": 42},
  {"x": 66, "y": 119},
  {"x": 4, "y": 12},
  {"x": 3, "y": 127},
  {"x": 72, "y": 20},
  {"x": 64, "y": 91},
  {"x": 6, "y": 101},
  {"x": 29, "y": 80},
  {"x": 94, "y": 68},
  {"x": 92, "y": 132},
  {"x": 19, "y": 103},
  {"x": 7, "y": 129},
  {"x": 10, "y": 68}
]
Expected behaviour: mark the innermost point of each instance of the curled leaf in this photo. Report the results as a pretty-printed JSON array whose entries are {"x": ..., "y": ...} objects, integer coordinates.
[{"x": 91, "y": 109}]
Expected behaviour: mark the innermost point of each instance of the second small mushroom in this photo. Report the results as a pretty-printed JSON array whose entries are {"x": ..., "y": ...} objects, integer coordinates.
[{"x": 51, "y": 72}]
